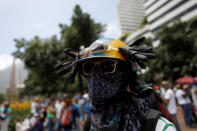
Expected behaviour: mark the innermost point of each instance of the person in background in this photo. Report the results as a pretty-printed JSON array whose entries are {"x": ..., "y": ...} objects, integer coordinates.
[
  {"x": 70, "y": 115},
  {"x": 193, "y": 99},
  {"x": 34, "y": 106},
  {"x": 157, "y": 103},
  {"x": 27, "y": 121},
  {"x": 155, "y": 98},
  {"x": 58, "y": 107},
  {"x": 33, "y": 122},
  {"x": 5, "y": 114},
  {"x": 182, "y": 95},
  {"x": 169, "y": 100},
  {"x": 87, "y": 108},
  {"x": 51, "y": 115},
  {"x": 39, "y": 124},
  {"x": 194, "y": 95},
  {"x": 20, "y": 125}
]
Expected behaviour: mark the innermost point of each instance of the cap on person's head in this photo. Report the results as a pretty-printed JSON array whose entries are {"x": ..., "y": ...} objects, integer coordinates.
[
  {"x": 164, "y": 83},
  {"x": 155, "y": 87},
  {"x": 178, "y": 86},
  {"x": 6, "y": 103},
  {"x": 73, "y": 99},
  {"x": 65, "y": 95},
  {"x": 85, "y": 95},
  {"x": 36, "y": 99},
  {"x": 185, "y": 86}
]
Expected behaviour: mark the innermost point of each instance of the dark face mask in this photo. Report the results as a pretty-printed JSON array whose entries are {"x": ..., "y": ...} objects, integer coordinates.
[{"x": 104, "y": 86}]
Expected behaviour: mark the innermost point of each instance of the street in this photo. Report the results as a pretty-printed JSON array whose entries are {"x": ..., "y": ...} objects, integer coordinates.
[{"x": 181, "y": 121}]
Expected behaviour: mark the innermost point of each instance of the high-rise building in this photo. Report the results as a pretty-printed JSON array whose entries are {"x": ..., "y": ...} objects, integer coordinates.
[
  {"x": 160, "y": 12},
  {"x": 165, "y": 12},
  {"x": 130, "y": 15}
]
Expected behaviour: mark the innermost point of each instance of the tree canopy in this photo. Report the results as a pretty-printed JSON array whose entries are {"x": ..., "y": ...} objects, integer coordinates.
[
  {"x": 41, "y": 55},
  {"x": 82, "y": 31},
  {"x": 176, "y": 53}
]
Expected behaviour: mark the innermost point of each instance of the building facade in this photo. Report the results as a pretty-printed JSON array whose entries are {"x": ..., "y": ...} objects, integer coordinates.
[
  {"x": 130, "y": 15},
  {"x": 165, "y": 12}
]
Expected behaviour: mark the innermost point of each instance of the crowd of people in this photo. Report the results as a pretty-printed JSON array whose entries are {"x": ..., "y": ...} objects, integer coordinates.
[
  {"x": 71, "y": 113},
  {"x": 183, "y": 95},
  {"x": 62, "y": 114}
]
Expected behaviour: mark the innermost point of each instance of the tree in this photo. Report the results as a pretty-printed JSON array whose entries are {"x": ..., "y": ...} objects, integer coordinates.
[
  {"x": 82, "y": 31},
  {"x": 39, "y": 58},
  {"x": 40, "y": 55},
  {"x": 176, "y": 53},
  {"x": 2, "y": 97}
]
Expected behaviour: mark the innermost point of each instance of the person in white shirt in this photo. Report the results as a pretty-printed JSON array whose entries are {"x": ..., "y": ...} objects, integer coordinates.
[
  {"x": 34, "y": 106},
  {"x": 21, "y": 126},
  {"x": 182, "y": 95},
  {"x": 27, "y": 122},
  {"x": 58, "y": 107},
  {"x": 169, "y": 100}
]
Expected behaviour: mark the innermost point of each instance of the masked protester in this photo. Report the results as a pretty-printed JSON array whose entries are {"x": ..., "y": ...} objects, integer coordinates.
[{"x": 119, "y": 96}]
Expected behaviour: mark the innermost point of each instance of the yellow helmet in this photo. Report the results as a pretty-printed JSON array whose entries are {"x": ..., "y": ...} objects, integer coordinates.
[{"x": 103, "y": 48}]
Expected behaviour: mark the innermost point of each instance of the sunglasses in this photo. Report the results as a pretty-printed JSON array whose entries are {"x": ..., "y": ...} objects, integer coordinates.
[{"x": 107, "y": 66}]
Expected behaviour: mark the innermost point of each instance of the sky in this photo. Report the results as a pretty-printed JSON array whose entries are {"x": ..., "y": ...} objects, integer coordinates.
[{"x": 28, "y": 18}]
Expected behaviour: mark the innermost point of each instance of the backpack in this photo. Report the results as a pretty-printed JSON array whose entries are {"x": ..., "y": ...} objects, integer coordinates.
[
  {"x": 150, "y": 122},
  {"x": 66, "y": 117}
]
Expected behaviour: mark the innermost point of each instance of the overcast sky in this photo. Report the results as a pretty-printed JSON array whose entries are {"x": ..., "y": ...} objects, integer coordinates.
[{"x": 27, "y": 18}]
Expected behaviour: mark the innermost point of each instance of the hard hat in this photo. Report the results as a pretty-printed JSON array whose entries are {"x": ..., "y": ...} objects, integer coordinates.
[{"x": 102, "y": 48}]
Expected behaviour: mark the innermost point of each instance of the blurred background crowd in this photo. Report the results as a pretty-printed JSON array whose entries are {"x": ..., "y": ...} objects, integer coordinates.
[
  {"x": 62, "y": 113},
  {"x": 71, "y": 112}
]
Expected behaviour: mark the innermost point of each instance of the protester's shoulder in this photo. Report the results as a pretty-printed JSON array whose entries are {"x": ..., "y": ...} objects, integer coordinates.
[{"x": 164, "y": 125}]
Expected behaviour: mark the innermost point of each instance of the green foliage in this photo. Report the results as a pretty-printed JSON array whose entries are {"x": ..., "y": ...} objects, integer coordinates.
[
  {"x": 2, "y": 97},
  {"x": 176, "y": 54},
  {"x": 124, "y": 36},
  {"x": 144, "y": 22},
  {"x": 82, "y": 31},
  {"x": 41, "y": 55},
  {"x": 39, "y": 58}
]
